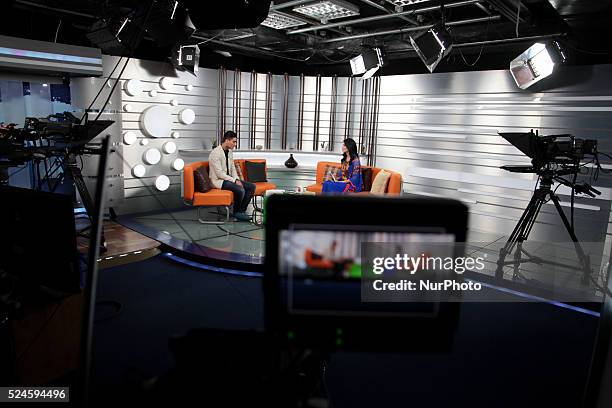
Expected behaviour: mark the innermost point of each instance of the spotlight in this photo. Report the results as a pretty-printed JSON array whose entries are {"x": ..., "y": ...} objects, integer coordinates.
[
  {"x": 536, "y": 63},
  {"x": 432, "y": 45},
  {"x": 115, "y": 36},
  {"x": 186, "y": 58},
  {"x": 169, "y": 23},
  {"x": 367, "y": 63}
]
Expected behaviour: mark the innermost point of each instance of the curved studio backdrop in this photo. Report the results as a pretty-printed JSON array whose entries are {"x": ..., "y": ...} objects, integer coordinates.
[{"x": 438, "y": 130}]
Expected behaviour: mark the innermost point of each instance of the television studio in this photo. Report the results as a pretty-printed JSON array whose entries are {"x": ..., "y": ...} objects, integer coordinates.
[{"x": 306, "y": 203}]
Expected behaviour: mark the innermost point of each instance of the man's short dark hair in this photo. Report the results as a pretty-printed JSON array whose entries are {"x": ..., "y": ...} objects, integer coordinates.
[{"x": 230, "y": 134}]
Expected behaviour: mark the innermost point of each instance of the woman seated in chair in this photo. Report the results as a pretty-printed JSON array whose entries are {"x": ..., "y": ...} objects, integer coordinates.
[{"x": 349, "y": 180}]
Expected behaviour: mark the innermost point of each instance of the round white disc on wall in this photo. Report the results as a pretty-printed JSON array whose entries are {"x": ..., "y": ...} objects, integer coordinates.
[
  {"x": 169, "y": 147},
  {"x": 189, "y": 87},
  {"x": 175, "y": 135},
  {"x": 187, "y": 116},
  {"x": 144, "y": 142},
  {"x": 132, "y": 87},
  {"x": 151, "y": 156},
  {"x": 152, "y": 93},
  {"x": 178, "y": 164},
  {"x": 139, "y": 170},
  {"x": 128, "y": 108},
  {"x": 156, "y": 121},
  {"x": 129, "y": 138},
  {"x": 166, "y": 83},
  {"x": 174, "y": 102},
  {"x": 162, "y": 183}
]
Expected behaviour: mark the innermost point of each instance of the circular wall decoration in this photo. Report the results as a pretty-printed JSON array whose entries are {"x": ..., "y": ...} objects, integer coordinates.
[
  {"x": 151, "y": 156},
  {"x": 152, "y": 93},
  {"x": 175, "y": 135},
  {"x": 189, "y": 87},
  {"x": 128, "y": 108},
  {"x": 187, "y": 116},
  {"x": 166, "y": 83},
  {"x": 162, "y": 183},
  {"x": 174, "y": 102},
  {"x": 169, "y": 147},
  {"x": 132, "y": 87},
  {"x": 178, "y": 164},
  {"x": 139, "y": 170},
  {"x": 144, "y": 142},
  {"x": 129, "y": 138},
  {"x": 155, "y": 121}
]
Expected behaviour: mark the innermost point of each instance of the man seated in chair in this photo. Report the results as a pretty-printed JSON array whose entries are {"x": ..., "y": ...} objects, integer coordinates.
[{"x": 223, "y": 175}]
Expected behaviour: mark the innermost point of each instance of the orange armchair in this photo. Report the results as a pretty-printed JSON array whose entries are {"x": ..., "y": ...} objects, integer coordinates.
[
  {"x": 394, "y": 186},
  {"x": 260, "y": 187},
  {"x": 212, "y": 198}
]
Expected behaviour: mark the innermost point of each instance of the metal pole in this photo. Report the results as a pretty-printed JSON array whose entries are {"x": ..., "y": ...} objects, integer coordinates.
[
  {"x": 381, "y": 17},
  {"x": 507, "y": 40},
  {"x": 287, "y": 4},
  {"x": 410, "y": 29},
  {"x": 386, "y": 10}
]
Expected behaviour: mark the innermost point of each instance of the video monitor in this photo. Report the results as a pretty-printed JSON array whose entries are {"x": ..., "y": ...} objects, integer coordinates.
[{"x": 314, "y": 279}]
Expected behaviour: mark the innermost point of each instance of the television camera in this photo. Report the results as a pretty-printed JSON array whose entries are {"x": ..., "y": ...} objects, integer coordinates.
[
  {"x": 552, "y": 158},
  {"x": 53, "y": 143}
]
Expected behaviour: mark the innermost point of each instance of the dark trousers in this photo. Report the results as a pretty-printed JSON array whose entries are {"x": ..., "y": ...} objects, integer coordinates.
[{"x": 242, "y": 194}]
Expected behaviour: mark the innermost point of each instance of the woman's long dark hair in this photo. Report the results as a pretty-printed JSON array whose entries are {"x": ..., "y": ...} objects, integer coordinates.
[{"x": 351, "y": 146}]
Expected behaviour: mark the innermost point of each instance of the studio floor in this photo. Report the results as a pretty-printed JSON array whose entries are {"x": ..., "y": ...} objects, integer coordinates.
[
  {"x": 242, "y": 245},
  {"x": 503, "y": 354}
]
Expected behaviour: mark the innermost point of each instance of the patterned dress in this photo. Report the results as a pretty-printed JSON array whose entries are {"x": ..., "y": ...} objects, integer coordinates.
[{"x": 350, "y": 172}]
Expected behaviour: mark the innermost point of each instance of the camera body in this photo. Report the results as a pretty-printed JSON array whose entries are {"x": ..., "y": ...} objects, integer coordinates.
[{"x": 562, "y": 149}]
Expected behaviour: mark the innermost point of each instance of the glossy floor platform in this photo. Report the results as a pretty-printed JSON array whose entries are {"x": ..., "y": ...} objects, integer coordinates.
[
  {"x": 236, "y": 243},
  {"x": 240, "y": 246}
]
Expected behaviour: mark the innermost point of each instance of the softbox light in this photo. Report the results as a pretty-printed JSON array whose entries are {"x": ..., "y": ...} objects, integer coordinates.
[
  {"x": 432, "y": 45},
  {"x": 367, "y": 63},
  {"x": 536, "y": 63}
]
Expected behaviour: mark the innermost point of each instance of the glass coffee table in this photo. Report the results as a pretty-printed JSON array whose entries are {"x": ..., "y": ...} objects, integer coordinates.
[{"x": 258, "y": 215}]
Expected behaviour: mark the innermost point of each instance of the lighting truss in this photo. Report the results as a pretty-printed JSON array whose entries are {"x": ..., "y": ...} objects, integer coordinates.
[{"x": 325, "y": 10}]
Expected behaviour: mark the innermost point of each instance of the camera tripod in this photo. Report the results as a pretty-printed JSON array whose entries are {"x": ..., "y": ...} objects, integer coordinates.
[{"x": 521, "y": 232}]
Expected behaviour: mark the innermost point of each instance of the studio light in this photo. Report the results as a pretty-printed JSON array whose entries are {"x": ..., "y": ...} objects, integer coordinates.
[
  {"x": 325, "y": 10},
  {"x": 167, "y": 22},
  {"x": 186, "y": 58},
  {"x": 432, "y": 45},
  {"x": 536, "y": 63},
  {"x": 114, "y": 36},
  {"x": 281, "y": 21},
  {"x": 367, "y": 63}
]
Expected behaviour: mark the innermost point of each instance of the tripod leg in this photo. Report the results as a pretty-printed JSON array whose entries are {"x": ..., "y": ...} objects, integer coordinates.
[
  {"x": 517, "y": 234},
  {"x": 517, "y": 259},
  {"x": 77, "y": 178},
  {"x": 584, "y": 259}
]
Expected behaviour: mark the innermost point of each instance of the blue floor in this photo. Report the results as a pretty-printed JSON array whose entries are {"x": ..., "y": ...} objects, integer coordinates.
[{"x": 504, "y": 354}]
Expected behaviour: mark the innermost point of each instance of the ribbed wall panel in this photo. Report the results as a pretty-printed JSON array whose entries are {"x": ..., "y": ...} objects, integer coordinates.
[{"x": 440, "y": 132}]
